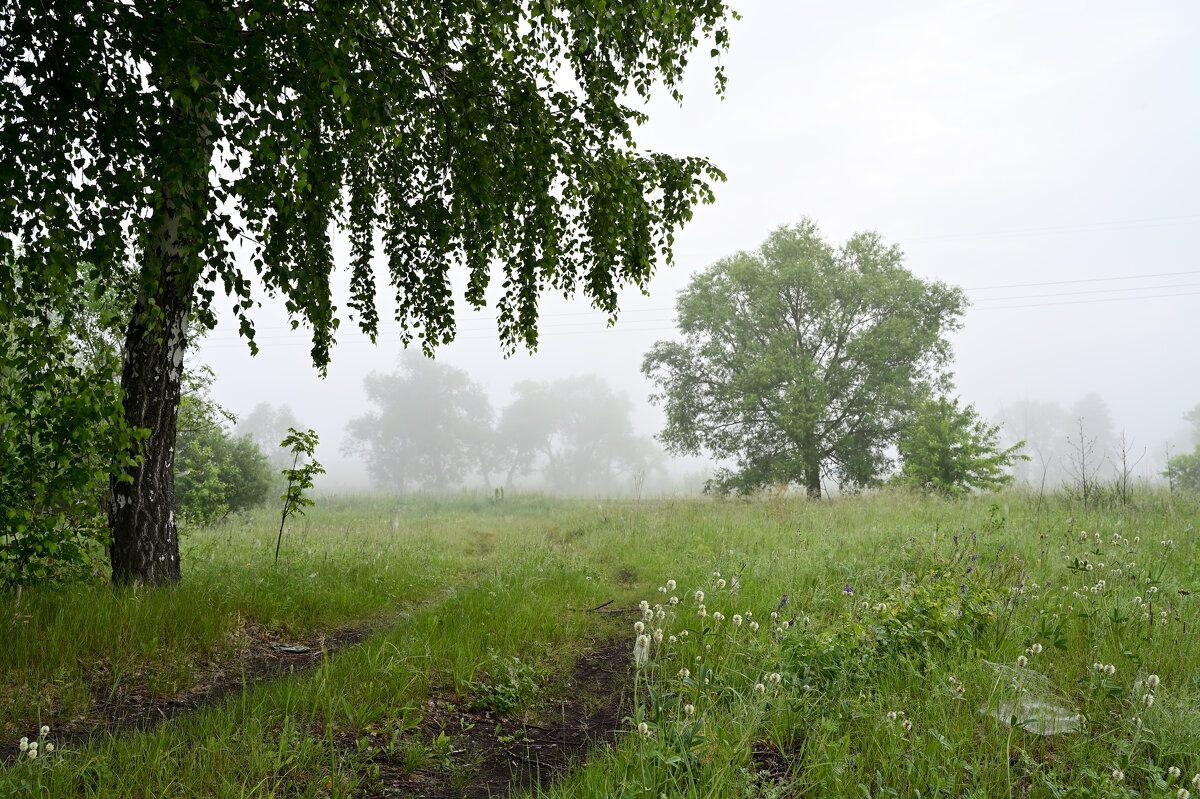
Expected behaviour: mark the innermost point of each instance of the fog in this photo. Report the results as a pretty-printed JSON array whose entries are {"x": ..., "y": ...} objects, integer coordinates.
[{"x": 1041, "y": 156}]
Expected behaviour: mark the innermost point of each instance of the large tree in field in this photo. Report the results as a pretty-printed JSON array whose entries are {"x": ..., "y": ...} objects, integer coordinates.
[
  {"x": 801, "y": 360},
  {"x": 214, "y": 143}
]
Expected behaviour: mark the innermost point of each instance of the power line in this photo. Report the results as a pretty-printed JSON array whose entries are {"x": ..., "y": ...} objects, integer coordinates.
[
  {"x": 1085, "y": 280},
  {"x": 1084, "y": 302},
  {"x": 1093, "y": 291}
]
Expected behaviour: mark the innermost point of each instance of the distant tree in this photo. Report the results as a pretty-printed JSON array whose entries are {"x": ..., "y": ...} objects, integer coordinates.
[
  {"x": 1183, "y": 471},
  {"x": 950, "y": 449},
  {"x": 430, "y": 430},
  {"x": 216, "y": 472},
  {"x": 267, "y": 426},
  {"x": 801, "y": 360},
  {"x": 216, "y": 145},
  {"x": 1192, "y": 417},
  {"x": 575, "y": 432}
]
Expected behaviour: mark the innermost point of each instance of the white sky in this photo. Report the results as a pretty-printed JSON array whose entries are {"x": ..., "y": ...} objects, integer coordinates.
[{"x": 998, "y": 143}]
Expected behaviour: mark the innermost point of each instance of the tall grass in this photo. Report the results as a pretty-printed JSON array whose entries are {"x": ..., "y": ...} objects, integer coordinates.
[{"x": 475, "y": 579}]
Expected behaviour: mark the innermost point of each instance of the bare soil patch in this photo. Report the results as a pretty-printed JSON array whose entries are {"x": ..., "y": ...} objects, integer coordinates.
[{"x": 493, "y": 757}]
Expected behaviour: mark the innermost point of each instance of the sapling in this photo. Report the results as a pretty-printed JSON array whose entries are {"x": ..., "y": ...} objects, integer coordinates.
[{"x": 299, "y": 477}]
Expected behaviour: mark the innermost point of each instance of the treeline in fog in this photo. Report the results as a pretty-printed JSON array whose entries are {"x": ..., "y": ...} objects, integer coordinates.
[{"x": 433, "y": 428}]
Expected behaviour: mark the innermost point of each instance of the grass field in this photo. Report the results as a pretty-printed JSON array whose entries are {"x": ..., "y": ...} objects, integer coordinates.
[{"x": 884, "y": 645}]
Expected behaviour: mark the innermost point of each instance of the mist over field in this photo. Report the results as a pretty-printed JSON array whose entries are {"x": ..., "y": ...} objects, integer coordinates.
[{"x": 1041, "y": 157}]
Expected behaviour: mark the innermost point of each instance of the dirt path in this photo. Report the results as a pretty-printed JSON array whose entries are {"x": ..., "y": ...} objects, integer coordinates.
[{"x": 493, "y": 757}]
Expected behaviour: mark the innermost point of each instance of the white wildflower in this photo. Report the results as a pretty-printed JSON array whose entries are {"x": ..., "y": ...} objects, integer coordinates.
[
  {"x": 907, "y": 725},
  {"x": 699, "y": 596},
  {"x": 644, "y": 729},
  {"x": 638, "y": 626},
  {"x": 754, "y": 626},
  {"x": 759, "y": 688},
  {"x": 689, "y": 709},
  {"x": 1152, "y": 681},
  {"x": 641, "y": 650},
  {"x": 643, "y": 606},
  {"x": 670, "y": 585},
  {"x": 1148, "y": 699},
  {"x": 1118, "y": 775},
  {"x": 1022, "y": 661},
  {"x": 684, "y": 673},
  {"x": 1173, "y": 772},
  {"x": 737, "y": 620},
  {"x": 45, "y": 730}
]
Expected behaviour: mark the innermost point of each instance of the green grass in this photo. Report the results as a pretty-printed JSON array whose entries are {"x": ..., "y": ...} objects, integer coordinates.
[{"x": 480, "y": 583}]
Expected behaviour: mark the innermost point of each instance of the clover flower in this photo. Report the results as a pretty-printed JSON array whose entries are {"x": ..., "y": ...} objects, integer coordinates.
[
  {"x": 644, "y": 729},
  {"x": 673, "y": 600},
  {"x": 1036, "y": 649},
  {"x": 684, "y": 673},
  {"x": 672, "y": 639},
  {"x": 718, "y": 616},
  {"x": 45, "y": 730},
  {"x": 759, "y": 688},
  {"x": 658, "y": 635},
  {"x": 716, "y": 574},
  {"x": 699, "y": 596},
  {"x": 701, "y": 611},
  {"x": 1110, "y": 669},
  {"x": 670, "y": 585},
  {"x": 1118, "y": 775},
  {"x": 1173, "y": 772},
  {"x": 891, "y": 716},
  {"x": 689, "y": 709},
  {"x": 49, "y": 747},
  {"x": 1147, "y": 699},
  {"x": 1022, "y": 661},
  {"x": 754, "y": 626},
  {"x": 24, "y": 745},
  {"x": 643, "y": 606},
  {"x": 1182, "y": 793},
  {"x": 775, "y": 677},
  {"x": 638, "y": 626},
  {"x": 641, "y": 650},
  {"x": 32, "y": 752},
  {"x": 721, "y": 583},
  {"x": 1152, "y": 681},
  {"x": 737, "y": 620},
  {"x": 1196, "y": 782}
]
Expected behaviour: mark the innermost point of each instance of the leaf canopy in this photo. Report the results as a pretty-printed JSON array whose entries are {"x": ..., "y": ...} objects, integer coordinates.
[
  {"x": 801, "y": 359},
  {"x": 443, "y": 132}
]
